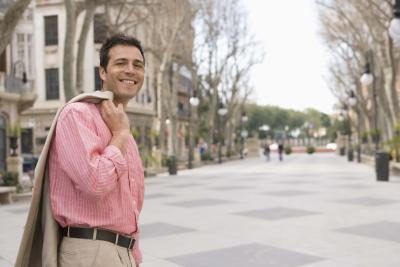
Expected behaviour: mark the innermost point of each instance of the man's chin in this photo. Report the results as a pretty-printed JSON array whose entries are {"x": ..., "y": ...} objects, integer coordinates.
[{"x": 126, "y": 96}]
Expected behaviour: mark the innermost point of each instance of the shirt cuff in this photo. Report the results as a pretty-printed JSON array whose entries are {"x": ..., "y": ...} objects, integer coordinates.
[{"x": 115, "y": 155}]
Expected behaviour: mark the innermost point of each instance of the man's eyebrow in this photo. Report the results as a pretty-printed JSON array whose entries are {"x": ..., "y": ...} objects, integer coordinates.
[
  {"x": 121, "y": 59},
  {"x": 126, "y": 59}
]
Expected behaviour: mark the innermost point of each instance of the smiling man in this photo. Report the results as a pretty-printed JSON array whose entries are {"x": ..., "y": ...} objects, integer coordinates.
[{"x": 96, "y": 174}]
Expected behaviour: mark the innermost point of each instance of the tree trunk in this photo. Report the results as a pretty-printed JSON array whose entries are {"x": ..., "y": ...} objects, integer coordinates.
[
  {"x": 161, "y": 103},
  {"x": 393, "y": 82},
  {"x": 90, "y": 7},
  {"x": 68, "y": 65},
  {"x": 10, "y": 20}
]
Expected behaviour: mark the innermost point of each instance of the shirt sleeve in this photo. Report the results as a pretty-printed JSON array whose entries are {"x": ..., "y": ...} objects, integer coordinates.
[
  {"x": 93, "y": 168},
  {"x": 137, "y": 253}
]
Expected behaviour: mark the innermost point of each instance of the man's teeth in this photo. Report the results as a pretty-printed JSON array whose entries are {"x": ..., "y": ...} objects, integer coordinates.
[{"x": 130, "y": 82}]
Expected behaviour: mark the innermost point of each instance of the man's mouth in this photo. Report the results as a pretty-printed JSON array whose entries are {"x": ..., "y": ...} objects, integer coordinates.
[{"x": 130, "y": 82}]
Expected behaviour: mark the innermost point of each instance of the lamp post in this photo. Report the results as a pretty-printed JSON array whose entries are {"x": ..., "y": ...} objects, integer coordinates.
[
  {"x": 394, "y": 26},
  {"x": 243, "y": 132},
  {"x": 367, "y": 79},
  {"x": 172, "y": 164},
  {"x": 193, "y": 102},
  {"x": 350, "y": 153},
  {"x": 352, "y": 100},
  {"x": 381, "y": 158},
  {"x": 222, "y": 111},
  {"x": 265, "y": 128}
]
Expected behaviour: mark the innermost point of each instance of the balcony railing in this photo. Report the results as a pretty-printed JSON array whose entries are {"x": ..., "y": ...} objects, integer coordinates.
[
  {"x": 183, "y": 113},
  {"x": 16, "y": 85},
  {"x": 11, "y": 84}
]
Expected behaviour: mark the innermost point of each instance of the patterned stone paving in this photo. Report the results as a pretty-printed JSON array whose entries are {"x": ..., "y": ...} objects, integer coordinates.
[{"x": 309, "y": 210}]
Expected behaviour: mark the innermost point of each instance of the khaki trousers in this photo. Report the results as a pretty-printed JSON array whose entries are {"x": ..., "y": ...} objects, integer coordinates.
[{"x": 77, "y": 252}]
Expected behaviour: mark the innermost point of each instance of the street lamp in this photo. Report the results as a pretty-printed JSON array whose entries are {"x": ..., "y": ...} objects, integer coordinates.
[
  {"x": 352, "y": 100},
  {"x": 381, "y": 158},
  {"x": 367, "y": 79},
  {"x": 394, "y": 26},
  {"x": 243, "y": 132},
  {"x": 172, "y": 164},
  {"x": 194, "y": 102},
  {"x": 222, "y": 111},
  {"x": 350, "y": 154},
  {"x": 265, "y": 128}
]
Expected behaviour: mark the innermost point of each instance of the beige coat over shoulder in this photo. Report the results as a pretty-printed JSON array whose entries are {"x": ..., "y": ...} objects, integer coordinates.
[{"x": 41, "y": 235}]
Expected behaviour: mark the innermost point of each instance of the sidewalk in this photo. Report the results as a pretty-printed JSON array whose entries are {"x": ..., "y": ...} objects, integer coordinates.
[{"x": 309, "y": 210}]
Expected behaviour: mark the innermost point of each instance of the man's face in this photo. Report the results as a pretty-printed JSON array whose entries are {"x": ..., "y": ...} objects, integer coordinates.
[{"x": 124, "y": 73}]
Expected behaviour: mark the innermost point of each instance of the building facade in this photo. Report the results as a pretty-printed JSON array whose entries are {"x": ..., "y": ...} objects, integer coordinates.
[
  {"x": 17, "y": 83},
  {"x": 49, "y": 28}
]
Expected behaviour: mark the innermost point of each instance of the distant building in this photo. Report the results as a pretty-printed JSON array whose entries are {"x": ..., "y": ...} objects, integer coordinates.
[
  {"x": 17, "y": 83},
  {"x": 49, "y": 28}
]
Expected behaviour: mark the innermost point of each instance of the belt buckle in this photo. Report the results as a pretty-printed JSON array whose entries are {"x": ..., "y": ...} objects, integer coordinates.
[
  {"x": 116, "y": 239},
  {"x": 95, "y": 234}
]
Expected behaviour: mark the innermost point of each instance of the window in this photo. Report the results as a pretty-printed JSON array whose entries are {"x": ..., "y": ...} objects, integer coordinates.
[
  {"x": 50, "y": 30},
  {"x": 27, "y": 140},
  {"x": 23, "y": 55},
  {"x": 148, "y": 96},
  {"x": 97, "y": 80},
  {"x": 52, "y": 84},
  {"x": 181, "y": 107},
  {"x": 142, "y": 98},
  {"x": 3, "y": 62},
  {"x": 99, "y": 28}
]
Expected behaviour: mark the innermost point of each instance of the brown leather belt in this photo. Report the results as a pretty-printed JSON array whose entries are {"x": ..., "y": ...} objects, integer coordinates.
[{"x": 99, "y": 234}]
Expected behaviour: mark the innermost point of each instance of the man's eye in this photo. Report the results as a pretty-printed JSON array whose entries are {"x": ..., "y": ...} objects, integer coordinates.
[{"x": 139, "y": 65}]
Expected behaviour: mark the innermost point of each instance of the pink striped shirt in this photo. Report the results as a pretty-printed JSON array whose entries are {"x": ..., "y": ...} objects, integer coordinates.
[{"x": 91, "y": 183}]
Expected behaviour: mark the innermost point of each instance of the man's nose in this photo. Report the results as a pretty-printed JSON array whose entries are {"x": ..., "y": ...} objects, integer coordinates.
[{"x": 130, "y": 68}]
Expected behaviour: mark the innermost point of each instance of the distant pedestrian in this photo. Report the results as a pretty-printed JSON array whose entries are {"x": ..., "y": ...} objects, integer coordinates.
[
  {"x": 280, "y": 151},
  {"x": 267, "y": 152}
]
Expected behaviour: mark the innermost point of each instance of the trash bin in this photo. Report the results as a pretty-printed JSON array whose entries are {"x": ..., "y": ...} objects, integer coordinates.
[
  {"x": 172, "y": 167},
  {"x": 382, "y": 166},
  {"x": 350, "y": 155}
]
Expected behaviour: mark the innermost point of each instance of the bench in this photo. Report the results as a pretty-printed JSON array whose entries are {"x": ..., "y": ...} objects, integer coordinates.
[{"x": 6, "y": 193}]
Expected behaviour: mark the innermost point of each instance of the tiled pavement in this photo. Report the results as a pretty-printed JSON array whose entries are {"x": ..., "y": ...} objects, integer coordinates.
[{"x": 309, "y": 210}]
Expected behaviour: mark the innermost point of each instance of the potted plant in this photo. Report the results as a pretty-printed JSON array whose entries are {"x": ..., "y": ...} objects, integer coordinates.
[
  {"x": 14, "y": 132},
  {"x": 310, "y": 149},
  {"x": 288, "y": 149}
]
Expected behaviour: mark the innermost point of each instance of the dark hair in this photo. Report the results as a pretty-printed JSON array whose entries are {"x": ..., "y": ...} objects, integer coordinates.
[{"x": 118, "y": 39}]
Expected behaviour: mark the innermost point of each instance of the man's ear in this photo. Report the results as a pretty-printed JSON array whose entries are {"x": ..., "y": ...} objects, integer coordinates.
[{"x": 102, "y": 73}]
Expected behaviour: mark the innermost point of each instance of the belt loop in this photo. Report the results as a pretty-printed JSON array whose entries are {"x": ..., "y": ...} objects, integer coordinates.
[
  {"x": 94, "y": 233},
  {"x": 116, "y": 239},
  {"x": 68, "y": 231},
  {"x": 130, "y": 243}
]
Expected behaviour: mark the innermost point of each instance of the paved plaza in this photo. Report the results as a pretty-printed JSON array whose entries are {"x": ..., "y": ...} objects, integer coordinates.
[{"x": 309, "y": 210}]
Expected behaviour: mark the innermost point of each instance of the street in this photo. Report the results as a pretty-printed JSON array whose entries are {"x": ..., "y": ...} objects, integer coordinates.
[{"x": 309, "y": 210}]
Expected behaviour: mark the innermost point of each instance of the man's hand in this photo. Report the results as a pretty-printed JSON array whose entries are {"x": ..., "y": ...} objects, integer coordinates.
[{"x": 118, "y": 123}]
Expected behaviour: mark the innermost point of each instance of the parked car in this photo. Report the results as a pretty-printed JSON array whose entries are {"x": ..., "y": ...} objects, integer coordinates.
[
  {"x": 331, "y": 146},
  {"x": 29, "y": 163}
]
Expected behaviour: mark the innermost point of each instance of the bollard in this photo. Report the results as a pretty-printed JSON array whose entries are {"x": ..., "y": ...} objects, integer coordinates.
[{"x": 172, "y": 166}]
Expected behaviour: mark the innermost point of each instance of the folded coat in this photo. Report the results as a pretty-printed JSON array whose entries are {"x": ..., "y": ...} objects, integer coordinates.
[{"x": 41, "y": 236}]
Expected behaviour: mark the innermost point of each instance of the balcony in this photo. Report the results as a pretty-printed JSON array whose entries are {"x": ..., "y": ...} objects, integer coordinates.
[
  {"x": 15, "y": 90},
  {"x": 183, "y": 114}
]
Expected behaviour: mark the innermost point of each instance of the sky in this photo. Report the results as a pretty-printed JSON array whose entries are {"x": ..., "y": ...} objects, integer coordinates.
[{"x": 295, "y": 63}]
